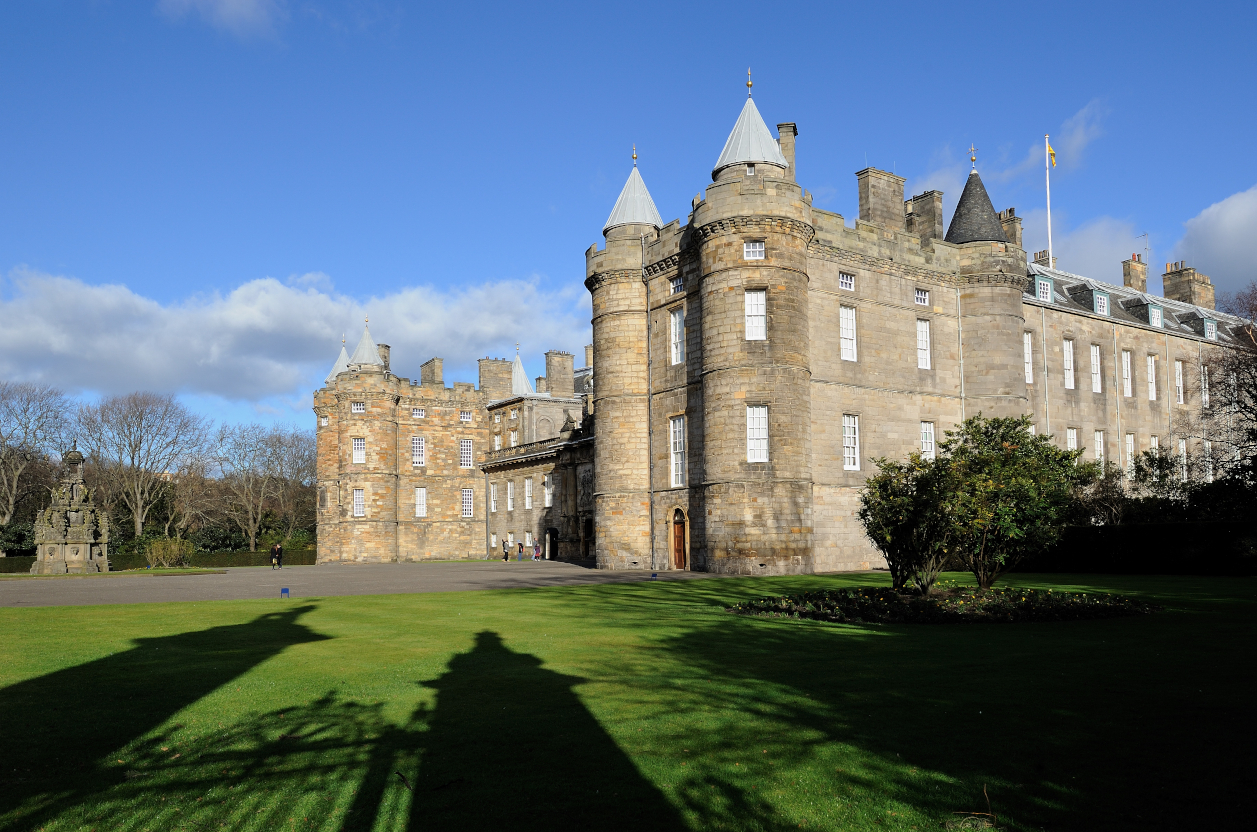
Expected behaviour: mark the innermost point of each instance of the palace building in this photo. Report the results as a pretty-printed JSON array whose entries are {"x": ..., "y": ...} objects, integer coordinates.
[{"x": 751, "y": 362}]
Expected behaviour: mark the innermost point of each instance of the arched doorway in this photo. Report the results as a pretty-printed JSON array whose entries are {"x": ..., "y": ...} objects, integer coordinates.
[{"x": 678, "y": 539}]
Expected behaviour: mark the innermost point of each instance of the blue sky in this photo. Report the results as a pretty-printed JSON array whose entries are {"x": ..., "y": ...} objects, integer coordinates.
[{"x": 200, "y": 196}]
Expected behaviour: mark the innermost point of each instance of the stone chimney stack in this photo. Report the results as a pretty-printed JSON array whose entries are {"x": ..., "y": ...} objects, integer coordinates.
[
  {"x": 786, "y": 132},
  {"x": 430, "y": 372},
  {"x": 1041, "y": 259},
  {"x": 1135, "y": 273},
  {"x": 589, "y": 355},
  {"x": 923, "y": 215},
  {"x": 495, "y": 378},
  {"x": 881, "y": 198},
  {"x": 384, "y": 351},
  {"x": 540, "y": 385},
  {"x": 559, "y": 374},
  {"x": 1012, "y": 226},
  {"x": 1183, "y": 283}
]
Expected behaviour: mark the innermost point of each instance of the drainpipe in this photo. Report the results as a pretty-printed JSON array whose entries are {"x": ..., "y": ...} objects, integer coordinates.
[
  {"x": 960, "y": 350},
  {"x": 650, "y": 421}
]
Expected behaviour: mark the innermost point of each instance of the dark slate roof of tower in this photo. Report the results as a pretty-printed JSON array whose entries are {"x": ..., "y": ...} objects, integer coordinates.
[{"x": 975, "y": 219}]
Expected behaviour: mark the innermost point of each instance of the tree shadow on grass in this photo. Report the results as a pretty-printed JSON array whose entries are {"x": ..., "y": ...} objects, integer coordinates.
[
  {"x": 1070, "y": 725},
  {"x": 61, "y": 729}
]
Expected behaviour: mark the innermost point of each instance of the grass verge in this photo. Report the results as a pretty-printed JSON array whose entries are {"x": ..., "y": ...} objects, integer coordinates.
[{"x": 625, "y": 706}]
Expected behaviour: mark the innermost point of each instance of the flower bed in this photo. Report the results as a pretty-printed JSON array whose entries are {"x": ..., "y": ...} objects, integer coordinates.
[{"x": 880, "y": 605}]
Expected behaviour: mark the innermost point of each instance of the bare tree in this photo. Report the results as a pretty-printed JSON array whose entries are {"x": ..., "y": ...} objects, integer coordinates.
[
  {"x": 33, "y": 419},
  {"x": 137, "y": 441},
  {"x": 295, "y": 453},
  {"x": 245, "y": 455},
  {"x": 192, "y": 496}
]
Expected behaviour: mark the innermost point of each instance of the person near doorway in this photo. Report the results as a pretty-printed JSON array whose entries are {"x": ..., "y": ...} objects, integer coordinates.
[{"x": 536, "y": 551}]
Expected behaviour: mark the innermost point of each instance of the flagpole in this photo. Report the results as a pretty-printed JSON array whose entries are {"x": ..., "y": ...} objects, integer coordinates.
[{"x": 1047, "y": 177}]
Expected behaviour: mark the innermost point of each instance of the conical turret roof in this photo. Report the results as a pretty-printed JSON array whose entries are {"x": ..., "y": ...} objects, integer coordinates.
[
  {"x": 366, "y": 352},
  {"x": 975, "y": 219},
  {"x": 750, "y": 141},
  {"x": 634, "y": 205},
  {"x": 341, "y": 365},
  {"x": 520, "y": 385}
]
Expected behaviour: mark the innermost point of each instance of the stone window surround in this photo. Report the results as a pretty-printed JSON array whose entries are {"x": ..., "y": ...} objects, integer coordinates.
[
  {"x": 921, "y": 297},
  {"x": 747, "y": 291},
  {"x": 754, "y": 248},
  {"x": 767, "y": 432},
  {"x": 856, "y": 417},
  {"x": 357, "y": 407}
]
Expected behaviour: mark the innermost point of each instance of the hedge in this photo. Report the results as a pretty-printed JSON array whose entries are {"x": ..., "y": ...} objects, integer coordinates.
[
  {"x": 1224, "y": 548},
  {"x": 209, "y": 560}
]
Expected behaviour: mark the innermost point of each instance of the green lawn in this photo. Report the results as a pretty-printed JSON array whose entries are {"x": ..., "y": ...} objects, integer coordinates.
[{"x": 640, "y": 706}]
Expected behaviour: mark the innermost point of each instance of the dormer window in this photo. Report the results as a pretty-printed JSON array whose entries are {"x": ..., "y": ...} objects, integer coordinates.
[
  {"x": 357, "y": 407},
  {"x": 1211, "y": 330},
  {"x": 1043, "y": 289},
  {"x": 1155, "y": 318},
  {"x": 750, "y": 170},
  {"x": 1101, "y": 303},
  {"x": 753, "y": 250}
]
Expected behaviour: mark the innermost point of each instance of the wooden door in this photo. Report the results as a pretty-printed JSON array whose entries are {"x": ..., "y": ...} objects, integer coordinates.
[{"x": 678, "y": 540}]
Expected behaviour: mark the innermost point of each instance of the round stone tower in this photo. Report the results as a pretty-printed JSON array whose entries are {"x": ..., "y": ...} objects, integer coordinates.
[
  {"x": 751, "y": 232},
  {"x": 621, "y": 455},
  {"x": 993, "y": 277}
]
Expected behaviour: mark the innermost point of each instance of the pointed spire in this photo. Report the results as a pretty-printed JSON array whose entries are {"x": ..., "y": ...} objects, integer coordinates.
[
  {"x": 750, "y": 141},
  {"x": 634, "y": 204},
  {"x": 520, "y": 385},
  {"x": 975, "y": 219},
  {"x": 366, "y": 352},
  {"x": 341, "y": 365}
]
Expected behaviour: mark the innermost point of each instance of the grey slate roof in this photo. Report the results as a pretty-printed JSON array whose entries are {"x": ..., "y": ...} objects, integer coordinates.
[
  {"x": 520, "y": 385},
  {"x": 366, "y": 352},
  {"x": 634, "y": 205},
  {"x": 975, "y": 219},
  {"x": 750, "y": 141},
  {"x": 1070, "y": 291},
  {"x": 341, "y": 365}
]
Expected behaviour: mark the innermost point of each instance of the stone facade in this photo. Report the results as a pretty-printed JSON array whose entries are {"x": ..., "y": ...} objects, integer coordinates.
[
  {"x": 71, "y": 535},
  {"x": 876, "y": 335},
  {"x": 402, "y": 493}
]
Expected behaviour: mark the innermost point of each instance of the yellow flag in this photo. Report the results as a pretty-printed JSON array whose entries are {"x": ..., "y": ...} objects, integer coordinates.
[{"x": 1052, "y": 155}]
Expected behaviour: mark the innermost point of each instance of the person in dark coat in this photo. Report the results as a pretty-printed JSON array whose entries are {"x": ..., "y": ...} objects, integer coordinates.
[
  {"x": 279, "y": 555},
  {"x": 506, "y": 552},
  {"x": 274, "y": 557}
]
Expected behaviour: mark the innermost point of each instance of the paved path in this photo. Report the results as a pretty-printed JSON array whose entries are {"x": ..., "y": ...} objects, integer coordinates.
[{"x": 310, "y": 581}]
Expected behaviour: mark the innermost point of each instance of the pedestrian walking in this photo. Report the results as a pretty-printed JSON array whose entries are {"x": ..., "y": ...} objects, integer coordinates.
[
  {"x": 521, "y": 550},
  {"x": 506, "y": 552},
  {"x": 536, "y": 551},
  {"x": 279, "y": 555},
  {"x": 274, "y": 557}
]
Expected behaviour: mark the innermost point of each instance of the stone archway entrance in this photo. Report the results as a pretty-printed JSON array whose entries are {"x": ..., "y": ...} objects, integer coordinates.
[{"x": 678, "y": 539}]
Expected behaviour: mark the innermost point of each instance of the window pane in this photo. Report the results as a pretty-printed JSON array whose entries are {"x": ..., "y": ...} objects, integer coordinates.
[
  {"x": 927, "y": 440},
  {"x": 510, "y": 495},
  {"x": 1098, "y": 442},
  {"x": 753, "y": 251},
  {"x": 1152, "y": 378},
  {"x": 493, "y": 497},
  {"x": 756, "y": 303},
  {"x": 358, "y": 407},
  {"x": 1178, "y": 381},
  {"x": 676, "y": 441},
  {"x": 360, "y": 449},
  {"x": 756, "y": 433},
  {"x": 923, "y": 345},
  {"x": 1071, "y": 439},
  {"x": 464, "y": 453},
  {"x": 846, "y": 332},
  {"x": 1126, "y": 373},
  {"x": 528, "y": 492},
  {"x": 678, "y": 335},
  {"x": 360, "y": 503},
  {"x": 850, "y": 442},
  {"x": 418, "y": 451},
  {"x": 421, "y": 502},
  {"x": 1095, "y": 368},
  {"x": 846, "y": 281},
  {"x": 549, "y": 490},
  {"x": 1069, "y": 364},
  {"x": 467, "y": 502},
  {"x": 464, "y": 415},
  {"x": 922, "y": 297},
  {"x": 1027, "y": 349},
  {"x": 416, "y": 413}
]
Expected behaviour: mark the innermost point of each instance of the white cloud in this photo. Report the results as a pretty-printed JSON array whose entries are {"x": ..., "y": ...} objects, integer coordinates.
[
  {"x": 265, "y": 342},
  {"x": 1094, "y": 249},
  {"x": 1219, "y": 241},
  {"x": 243, "y": 18}
]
